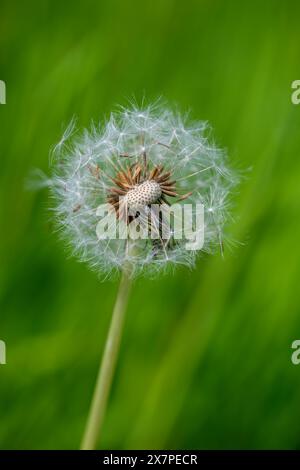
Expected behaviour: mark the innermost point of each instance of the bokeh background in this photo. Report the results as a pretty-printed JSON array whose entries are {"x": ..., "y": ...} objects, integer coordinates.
[{"x": 206, "y": 356}]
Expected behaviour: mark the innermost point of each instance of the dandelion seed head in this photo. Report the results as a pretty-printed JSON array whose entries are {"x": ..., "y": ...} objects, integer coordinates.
[{"x": 137, "y": 158}]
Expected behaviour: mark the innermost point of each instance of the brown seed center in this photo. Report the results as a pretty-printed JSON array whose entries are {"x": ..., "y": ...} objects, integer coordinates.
[{"x": 143, "y": 194}]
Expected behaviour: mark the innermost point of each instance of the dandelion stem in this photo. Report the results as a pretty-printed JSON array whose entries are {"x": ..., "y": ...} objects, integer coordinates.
[{"x": 107, "y": 366}]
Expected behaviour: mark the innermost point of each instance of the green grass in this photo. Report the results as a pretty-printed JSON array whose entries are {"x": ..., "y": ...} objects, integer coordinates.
[{"x": 205, "y": 358}]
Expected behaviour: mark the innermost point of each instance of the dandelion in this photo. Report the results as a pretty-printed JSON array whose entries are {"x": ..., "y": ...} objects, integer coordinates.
[{"x": 138, "y": 159}]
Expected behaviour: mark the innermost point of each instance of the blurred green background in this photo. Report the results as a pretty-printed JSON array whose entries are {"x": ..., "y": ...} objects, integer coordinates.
[{"x": 206, "y": 355}]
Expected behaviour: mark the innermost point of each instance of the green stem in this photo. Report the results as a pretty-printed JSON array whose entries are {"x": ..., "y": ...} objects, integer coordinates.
[{"x": 107, "y": 366}]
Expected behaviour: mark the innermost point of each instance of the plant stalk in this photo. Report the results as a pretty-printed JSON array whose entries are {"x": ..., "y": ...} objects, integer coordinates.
[{"x": 107, "y": 366}]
